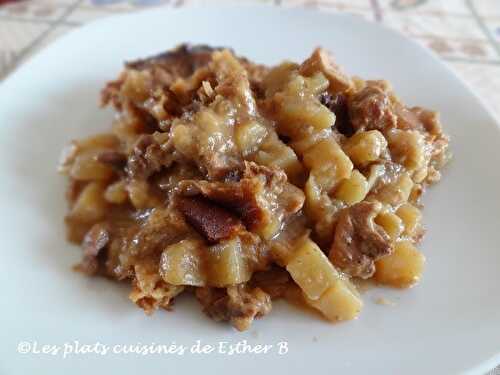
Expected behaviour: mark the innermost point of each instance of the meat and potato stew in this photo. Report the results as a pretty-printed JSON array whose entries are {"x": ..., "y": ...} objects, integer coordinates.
[{"x": 238, "y": 183}]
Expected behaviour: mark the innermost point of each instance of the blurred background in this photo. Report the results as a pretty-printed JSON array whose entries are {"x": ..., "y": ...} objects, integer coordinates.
[{"x": 464, "y": 33}]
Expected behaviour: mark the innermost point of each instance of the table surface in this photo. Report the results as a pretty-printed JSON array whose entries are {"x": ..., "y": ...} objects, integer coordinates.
[{"x": 464, "y": 33}]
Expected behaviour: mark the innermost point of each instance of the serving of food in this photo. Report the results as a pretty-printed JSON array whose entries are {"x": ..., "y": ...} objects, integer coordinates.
[{"x": 242, "y": 183}]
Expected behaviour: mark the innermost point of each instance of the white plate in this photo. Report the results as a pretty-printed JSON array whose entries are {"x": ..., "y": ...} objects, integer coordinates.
[{"x": 450, "y": 323}]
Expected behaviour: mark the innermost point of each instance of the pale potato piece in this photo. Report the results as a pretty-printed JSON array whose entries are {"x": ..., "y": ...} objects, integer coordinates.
[
  {"x": 248, "y": 136},
  {"x": 116, "y": 192},
  {"x": 340, "y": 302},
  {"x": 181, "y": 263},
  {"x": 411, "y": 217},
  {"x": 90, "y": 205},
  {"x": 140, "y": 196},
  {"x": 300, "y": 146},
  {"x": 327, "y": 152},
  {"x": 407, "y": 148},
  {"x": 226, "y": 264},
  {"x": 365, "y": 147},
  {"x": 353, "y": 189},
  {"x": 86, "y": 167},
  {"x": 311, "y": 269},
  {"x": 402, "y": 268},
  {"x": 295, "y": 112},
  {"x": 270, "y": 227},
  {"x": 274, "y": 153},
  {"x": 392, "y": 224},
  {"x": 317, "y": 83},
  {"x": 183, "y": 139},
  {"x": 321, "y": 61},
  {"x": 137, "y": 85},
  {"x": 398, "y": 192},
  {"x": 278, "y": 77}
]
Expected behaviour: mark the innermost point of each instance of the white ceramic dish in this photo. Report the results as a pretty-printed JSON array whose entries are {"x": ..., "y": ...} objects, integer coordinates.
[{"x": 450, "y": 323}]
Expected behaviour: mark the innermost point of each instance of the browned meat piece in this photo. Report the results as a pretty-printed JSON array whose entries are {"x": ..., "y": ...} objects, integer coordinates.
[
  {"x": 244, "y": 196},
  {"x": 237, "y": 304},
  {"x": 180, "y": 62},
  {"x": 213, "y": 222},
  {"x": 274, "y": 282},
  {"x": 338, "y": 104},
  {"x": 148, "y": 157},
  {"x": 359, "y": 241},
  {"x": 371, "y": 108},
  {"x": 115, "y": 159},
  {"x": 429, "y": 120},
  {"x": 96, "y": 239},
  {"x": 321, "y": 61},
  {"x": 149, "y": 291},
  {"x": 145, "y": 87}
]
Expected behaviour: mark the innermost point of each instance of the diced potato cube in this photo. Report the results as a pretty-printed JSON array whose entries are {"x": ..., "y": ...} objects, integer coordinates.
[
  {"x": 317, "y": 83},
  {"x": 326, "y": 178},
  {"x": 353, "y": 189},
  {"x": 328, "y": 152},
  {"x": 209, "y": 121},
  {"x": 278, "y": 77},
  {"x": 248, "y": 136},
  {"x": 407, "y": 148},
  {"x": 319, "y": 206},
  {"x": 311, "y": 269},
  {"x": 396, "y": 193},
  {"x": 402, "y": 268},
  {"x": 90, "y": 205},
  {"x": 365, "y": 147},
  {"x": 340, "y": 302},
  {"x": 183, "y": 140},
  {"x": 411, "y": 217},
  {"x": 181, "y": 263},
  {"x": 140, "y": 196},
  {"x": 226, "y": 264},
  {"x": 297, "y": 112},
  {"x": 86, "y": 167},
  {"x": 375, "y": 172},
  {"x": 270, "y": 226},
  {"x": 301, "y": 145},
  {"x": 321, "y": 61},
  {"x": 116, "y": 192},
  {"x": 299, "y": 107},
  {"x": 392, "y": 224},
  {"x": 137, "y": 85},
  {"x": 420, "y": 174},
  {"x": 274, "y": 153},
  {"x": 126, "y": 131},
  {"x": 312, "y": 191}
]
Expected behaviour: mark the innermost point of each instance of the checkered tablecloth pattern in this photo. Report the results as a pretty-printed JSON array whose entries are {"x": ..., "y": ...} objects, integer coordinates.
[{"x": 464, "y": 33}]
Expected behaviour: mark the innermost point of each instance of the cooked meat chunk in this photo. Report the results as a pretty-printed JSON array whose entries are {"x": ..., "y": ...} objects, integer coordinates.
[
  {"x": 237, "y": 304},
  {"x": 261, "y": 196},
  {"x": 429, "y": 120},
  {"x": 338, "y": 104},
  {"x": 116, "y": 159},
  {"x": 321, "y": 61},
  {"x": 371, "y": 108},
  {"x": 148, "y": 157},
  {"x": 149, "y": 291},
  {"x": 96, "y": 239},
  {"x": 359, "y": 241},
  {"x": 180, "y": 62},
  {"x": 213, "y": 222}
]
